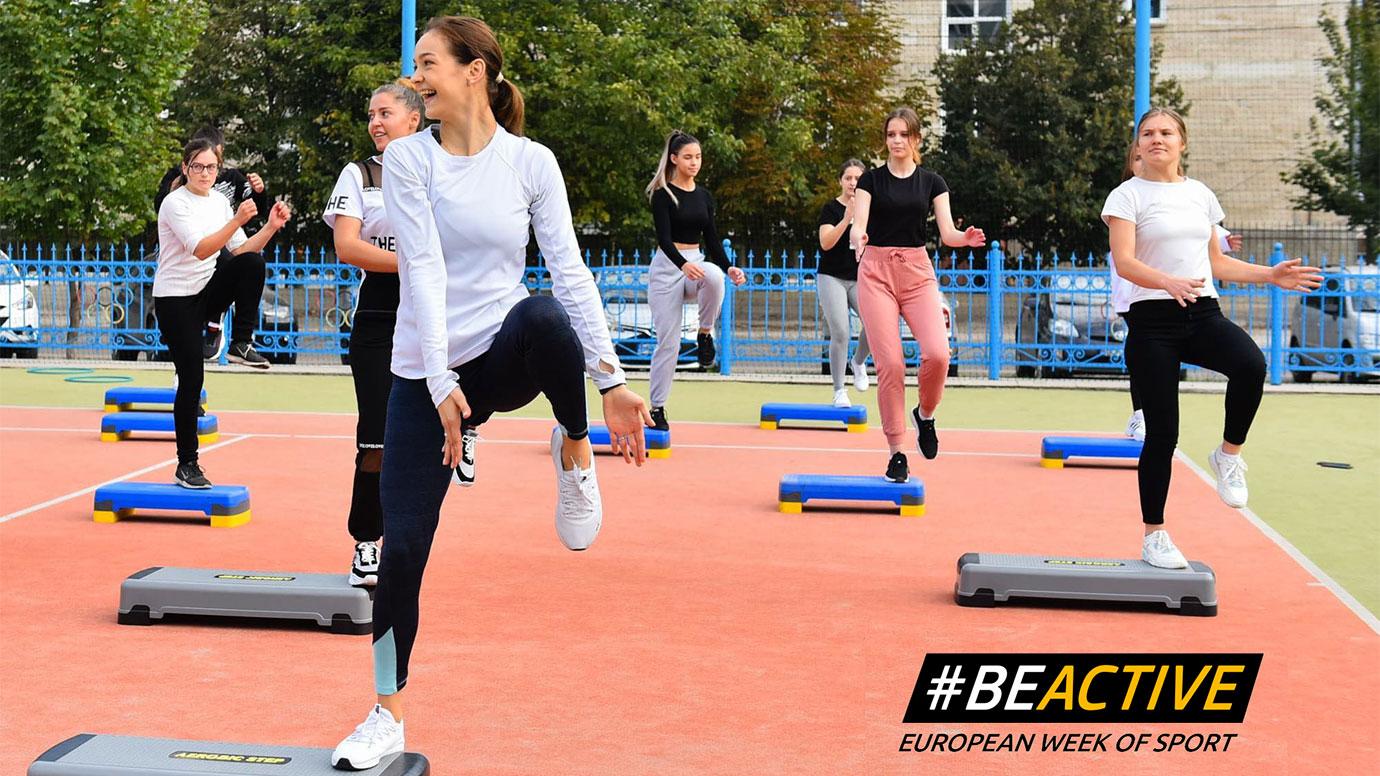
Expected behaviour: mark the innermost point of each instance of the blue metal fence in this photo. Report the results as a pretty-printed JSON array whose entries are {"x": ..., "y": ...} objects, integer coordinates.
[{"x": 1028, "y": 316}]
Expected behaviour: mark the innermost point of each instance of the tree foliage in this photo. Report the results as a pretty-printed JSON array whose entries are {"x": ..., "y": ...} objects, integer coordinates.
[
  {"x": 82, "y": 87},
  {"x": 1037, "y": 121},
  {"x": 1341, "y": 173}
]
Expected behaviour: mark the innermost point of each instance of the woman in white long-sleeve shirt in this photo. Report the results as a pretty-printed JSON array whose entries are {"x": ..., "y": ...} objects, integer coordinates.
[{"x": 470, "y": 340}]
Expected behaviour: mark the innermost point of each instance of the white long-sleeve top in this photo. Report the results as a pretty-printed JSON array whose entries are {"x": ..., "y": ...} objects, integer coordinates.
[{"x": 461, "y": 226}]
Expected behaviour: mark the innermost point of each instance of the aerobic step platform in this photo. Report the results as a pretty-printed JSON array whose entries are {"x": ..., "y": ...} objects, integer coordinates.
[
  {"x": 328, "y": 600},
  {"x": 226, "y": 505},
  {"x": 853, "y": 418},
  {"x": 98, "y": 755},
  {"x": 123, "y": 398},
  {"x": 988, "y": 579},
  {"x": 658, "y": 440},
  {"x": 119, "y": 425},
  {"x": 797, "y": 489},
  {"x": 1054, "y": 450}
]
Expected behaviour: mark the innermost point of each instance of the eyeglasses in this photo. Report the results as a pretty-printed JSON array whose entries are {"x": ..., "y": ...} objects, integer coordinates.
[{"x": 198, "y": 168}]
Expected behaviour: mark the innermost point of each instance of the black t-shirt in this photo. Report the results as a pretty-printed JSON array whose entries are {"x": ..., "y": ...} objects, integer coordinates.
[
  {"x": 380, "y": 291},
  {"x": 900, "y": 206},
  {"x": 840, "y": 261},
  {"x": 684, "y": 221}
]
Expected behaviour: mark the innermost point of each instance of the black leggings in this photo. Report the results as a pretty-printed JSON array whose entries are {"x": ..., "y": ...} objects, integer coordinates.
[
  {"x": 1162, "y": 336},
  {"x": 371, "y": 353},
  {"x": 238, "y": 279},
  {"x": 535, "y": 351}
]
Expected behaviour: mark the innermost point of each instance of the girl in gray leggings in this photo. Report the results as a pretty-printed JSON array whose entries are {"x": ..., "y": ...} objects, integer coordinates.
[
  {"x": 836, "y": 285},
  {"x": 683, "y": 213}
]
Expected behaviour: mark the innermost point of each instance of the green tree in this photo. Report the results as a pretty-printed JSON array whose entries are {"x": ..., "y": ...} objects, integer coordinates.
[
  {"x": 1341, "y": 173},
  {"x": 779, "y": 91},
  {"x": 82, "y": 86},
  {"x": 1037, "y": 122}
]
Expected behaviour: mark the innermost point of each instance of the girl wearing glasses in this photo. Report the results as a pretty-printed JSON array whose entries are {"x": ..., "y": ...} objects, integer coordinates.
[{"x": 195, "y": 283}]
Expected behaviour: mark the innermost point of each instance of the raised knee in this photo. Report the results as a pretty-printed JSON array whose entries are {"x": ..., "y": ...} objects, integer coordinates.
[{"x": 544, "y": 311}]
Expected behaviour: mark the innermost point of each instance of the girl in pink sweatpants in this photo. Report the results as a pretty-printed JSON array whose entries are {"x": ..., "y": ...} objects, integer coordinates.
[{"x": 896, "y": 280}]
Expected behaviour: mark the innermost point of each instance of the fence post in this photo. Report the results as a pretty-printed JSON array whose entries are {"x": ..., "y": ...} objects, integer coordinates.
[
  {"x": 726, "y": 318},
  {"x": 995, "y": 260},
  {"x": 1277, "y": 322}
]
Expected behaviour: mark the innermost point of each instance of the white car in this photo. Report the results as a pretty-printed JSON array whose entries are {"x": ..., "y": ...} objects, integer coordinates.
[
  {"x": 18, "y": 312},
  {"x": 1338, "y": 325}
]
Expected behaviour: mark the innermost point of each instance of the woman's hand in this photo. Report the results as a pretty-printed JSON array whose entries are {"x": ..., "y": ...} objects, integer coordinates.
[
  {"x": 860, "y": 242},
  {"x": 974, "y": 237},
  {"x": 246, "y": 212},
  {"x": 1294, "y": 275},
  {"x": 452, "y": 410},
  {"x": 278, "y": 215},
  {"x": 255, "y": 182},
  {"x": 692, "y": 270},
  {"x": 626, "y": 415},
  {"x": 737, "y": 276},
  {"x": 1184, "y": 290}
]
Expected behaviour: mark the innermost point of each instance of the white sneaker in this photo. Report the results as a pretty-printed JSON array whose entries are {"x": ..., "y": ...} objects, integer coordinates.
[
  {"x": 860, "y": 380},
  {"x": 841, "y": 398},
  {"x": 1230, "y": 471},
  {"x": 579, "y": 509},
  {"x": 463, "y": 475},
  {"x": 378, "y": 736},
  {"x": 1160, "y": 552},
  {"x": 364, "y": 571},
  {"x": 1135, "y": 427}
]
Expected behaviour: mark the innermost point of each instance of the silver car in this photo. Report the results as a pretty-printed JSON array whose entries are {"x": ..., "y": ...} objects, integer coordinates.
[{"x": 1338, "y": 326}]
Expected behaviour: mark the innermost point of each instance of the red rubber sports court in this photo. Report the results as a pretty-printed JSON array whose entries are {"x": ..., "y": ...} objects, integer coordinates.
[{"x": 705, "y": 632}]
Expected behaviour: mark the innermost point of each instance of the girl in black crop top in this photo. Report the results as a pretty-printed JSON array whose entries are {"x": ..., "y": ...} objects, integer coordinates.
[{"x": 684, "y": 215}]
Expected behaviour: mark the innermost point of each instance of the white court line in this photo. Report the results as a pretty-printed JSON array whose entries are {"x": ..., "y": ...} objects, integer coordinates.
[
  {"x": 1321, "y": 576},
  {"x": 122, "y": 478}
]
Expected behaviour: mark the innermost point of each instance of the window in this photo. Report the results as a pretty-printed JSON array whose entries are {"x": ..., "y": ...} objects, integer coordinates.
[
  {"x": 1156, "y": 9},
  {"x": 968, "y": 20}
]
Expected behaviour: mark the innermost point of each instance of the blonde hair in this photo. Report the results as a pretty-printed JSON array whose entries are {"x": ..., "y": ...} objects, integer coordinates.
[
  {"x": 1172, "y": 115},
  {"x": 674, "y": 142},
  {"x": 404, "y": 92}
]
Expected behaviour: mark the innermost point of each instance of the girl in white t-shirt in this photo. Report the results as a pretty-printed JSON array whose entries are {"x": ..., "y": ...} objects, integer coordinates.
[
  {"x": 196, "y": 282},
  {"x": 1162, "y": 238},
  {"x": 364, "y": 238}
]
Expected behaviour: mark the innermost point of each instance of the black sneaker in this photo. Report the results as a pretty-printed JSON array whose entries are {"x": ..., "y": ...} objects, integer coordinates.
[
  {"x": 190, "y": 475},
  {"x": 210, "y": 344},
  {"x": 897, "y": 469},
  {"x": 704, "y": 349},
  {"x": 659, "y": 419},
  {"x": 244, "y": 353},
  {"x": 364, "y": 571},
  {"x": 464, "y": 471},
  {"x": 925, "y": 438}
]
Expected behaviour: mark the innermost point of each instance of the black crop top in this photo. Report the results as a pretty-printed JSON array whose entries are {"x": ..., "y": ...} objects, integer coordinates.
[
  {"x": 841, "y": 261},
  {"x": 686, "y": 222},
  {"x": 900, "y": 206}
]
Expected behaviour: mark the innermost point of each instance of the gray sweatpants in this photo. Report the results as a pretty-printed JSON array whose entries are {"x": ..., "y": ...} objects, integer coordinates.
[
  {"x": 836, "y": 297},
  {"x": 668, "y": 289}
]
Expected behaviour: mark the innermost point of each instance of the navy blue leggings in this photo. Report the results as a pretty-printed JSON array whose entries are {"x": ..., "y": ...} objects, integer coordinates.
[{"x": 535, "y": 351}]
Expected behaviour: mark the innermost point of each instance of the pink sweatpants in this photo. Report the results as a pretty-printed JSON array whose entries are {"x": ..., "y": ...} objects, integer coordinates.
[{"x": 895, "y": 283}]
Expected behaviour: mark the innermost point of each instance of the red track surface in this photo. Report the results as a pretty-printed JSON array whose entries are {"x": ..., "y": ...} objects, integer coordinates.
[{"x": 704, "y": 632}]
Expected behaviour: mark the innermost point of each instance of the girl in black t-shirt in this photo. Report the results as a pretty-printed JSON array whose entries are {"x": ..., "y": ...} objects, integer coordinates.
[
  {"x": 896, "y": 279},
  {"x": 836, "y": 285}
]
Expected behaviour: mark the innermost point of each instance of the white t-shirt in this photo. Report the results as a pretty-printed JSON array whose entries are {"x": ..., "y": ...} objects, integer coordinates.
[
  {"x": 351, "y": 197},
  {"x": 1174, "y": 222},
  {"x": 185, "y": 219},
  {"x": 461, "y": 224},
  {"x": 1122, "y": 289}
]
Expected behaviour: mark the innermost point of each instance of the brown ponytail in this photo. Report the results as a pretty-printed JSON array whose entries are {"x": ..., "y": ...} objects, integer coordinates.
[{"x": 471, "y": 39}]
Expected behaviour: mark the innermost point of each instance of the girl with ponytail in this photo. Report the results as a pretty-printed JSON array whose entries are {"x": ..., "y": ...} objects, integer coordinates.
[
  {"x": 683, "y": 214},
  {"x": 461, "y": 197}
]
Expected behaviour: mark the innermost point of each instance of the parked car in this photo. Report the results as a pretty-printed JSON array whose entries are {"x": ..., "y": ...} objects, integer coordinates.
[
  {"x": 634, "y": 337},
  {"x": 1070, "y": 325},
  {"x": 18, "y": 312},
  {"x": 909, "y": 349},
  {"x": 275, "y": 337},
  {"x": 1342, "y": 323}
]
